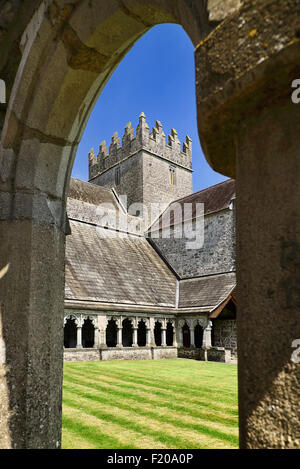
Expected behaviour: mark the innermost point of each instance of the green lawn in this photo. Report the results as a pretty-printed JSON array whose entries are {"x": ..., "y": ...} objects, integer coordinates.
[{"x": 152, "y": 404}]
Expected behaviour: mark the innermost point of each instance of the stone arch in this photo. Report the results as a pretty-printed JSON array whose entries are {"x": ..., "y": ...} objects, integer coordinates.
[
  {"x": 170, "y": 334},
  {"x": 127, "y": 332},
  {"x": 68, "y": 53},
  {"x": 111, "y": 333},
  {"x": 198, "y": 335},
  {"x": 158, "y": 332},
  {"x": 70, "y": 332},
  {"x": 142, "y": 333},
  {"x": 88, "y": 333},
  {"x": 186, "y": 335},
  {"x": 33, "y": 188}
]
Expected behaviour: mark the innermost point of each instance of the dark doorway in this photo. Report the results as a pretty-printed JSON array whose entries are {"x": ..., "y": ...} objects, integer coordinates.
[
  {"x": 127, "y": 333},
  {"x": 141, "y": 333},
  {"x": 70, "y": 334},
  {"x": 198, "y": 336},
  {"x": 186, "y": 336},
  {"x": 88, "y": 334},
  {"x": 111, "y": 333},
  {"x": 157, "y": 333},
  {"x": 169, "y": 334}
]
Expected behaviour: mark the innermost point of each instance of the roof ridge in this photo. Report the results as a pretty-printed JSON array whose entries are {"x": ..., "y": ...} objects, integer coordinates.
[
  {"x": 202, "y": 190},
  {"x": 93, "y": 185},
  {"x": 185, "y": 279}
]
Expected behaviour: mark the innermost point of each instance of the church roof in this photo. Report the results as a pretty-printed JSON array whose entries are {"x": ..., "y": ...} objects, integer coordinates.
[
  {"x": 214, "y": 198},
  {"x": 124, "y": 270},
  {"x": 90, "y": 193},
  {"x": 207, "y": 291},
  {"x": 99, "y": 206},
  {"x": 104, "y": 265}
]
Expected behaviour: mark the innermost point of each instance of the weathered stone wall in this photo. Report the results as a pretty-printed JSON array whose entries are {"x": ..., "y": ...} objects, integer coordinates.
[
  {"x": 216, "y": 354},
  {"x": 126, "y": 353},
  {"x": 213, "y": 354},
  {"x": 217, "y": 254},
  {"x": 156, "y": 186},
  {"x": 144, "y": 166},
  {"x": 83, "y": 355},
  {"x": 164, "y": 352},
  {"x": 192, "y": 353},
  {"x": 131, "y": 179},
  {"x": 225, "y": 334},
  {"x": 116, "y": 353},
  {"x": 154, "y": 142}
]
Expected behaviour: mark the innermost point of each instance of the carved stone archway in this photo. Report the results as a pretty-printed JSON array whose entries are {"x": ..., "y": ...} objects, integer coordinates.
[{"x": 56, "y": 57}]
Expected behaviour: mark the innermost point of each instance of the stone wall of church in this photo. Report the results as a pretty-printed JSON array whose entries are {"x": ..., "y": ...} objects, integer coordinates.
[
  {"x": 144, "y": 178},
  {"x": 156, "y": 184},
  {"x": 217, "y": 254},
  {"x": 131, "y": 179},
  {"x": 213, "y": 354},
  {"x": 225, "y": 334},
  {"x": 83, "y": 355},
  {"x": 143, "y": 165},
  {"x": 124, "y": 353}
]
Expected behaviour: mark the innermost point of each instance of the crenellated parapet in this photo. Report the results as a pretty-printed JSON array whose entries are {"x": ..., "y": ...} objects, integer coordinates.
[{"x": 153, "y": 142}]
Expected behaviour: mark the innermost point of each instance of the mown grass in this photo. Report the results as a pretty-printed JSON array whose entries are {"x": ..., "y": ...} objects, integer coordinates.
[{"x": 156, "y": 404}]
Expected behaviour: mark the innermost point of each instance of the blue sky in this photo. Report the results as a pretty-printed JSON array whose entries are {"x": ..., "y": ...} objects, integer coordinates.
[{"x": 157, "y": 77}]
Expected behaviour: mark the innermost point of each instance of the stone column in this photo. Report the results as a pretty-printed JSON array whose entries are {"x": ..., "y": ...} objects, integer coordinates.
[
  {"x": 148, "y": 337},
  {"x": 119, "y": 336},
  {"x": 102, "y": 322},
  {"x": 179, "y": 333},
  {"x": 152, "y": 325},
  {"x": 206, "y": 342},
  {"x": 163, "y": 337},
  {"x": 32, "y": 253},
  {"x": 248, "y": 120},
  {"x": 97, "y": 337},
  {"x": 192, "y": 336},
  {"x": 174, "y": 336},
  {"x": 135, "y": 337},
  {"x": 79, "y": 336}
]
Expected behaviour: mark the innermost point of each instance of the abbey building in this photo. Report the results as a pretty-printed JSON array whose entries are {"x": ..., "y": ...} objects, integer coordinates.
[{"x": 150, "y": 266}]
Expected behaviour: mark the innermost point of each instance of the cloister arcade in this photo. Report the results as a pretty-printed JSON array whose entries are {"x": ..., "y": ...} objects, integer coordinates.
[
  {"x": 56, "y": 58},
  {"x": 86, "y": 331}
]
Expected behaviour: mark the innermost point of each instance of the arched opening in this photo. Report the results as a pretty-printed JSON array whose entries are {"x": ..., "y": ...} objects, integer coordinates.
[
  {"x": 157, "y": 333},
  {"x": 186, "y": 336},
  {"x": 198, "y": 336},
  {"x": 51, "y": 116},
  {"x": 170, "y": 334},
  {"x": 141, "y": 333},
  {"x": 127, "y": 332},
  {"x": 111, "y": 333},
  {"x": 70, "y": 333},
  {"x": 88, "y": 334}
]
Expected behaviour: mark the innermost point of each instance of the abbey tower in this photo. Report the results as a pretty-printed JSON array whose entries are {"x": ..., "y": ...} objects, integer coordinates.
[{"x": 144, "y": 168}]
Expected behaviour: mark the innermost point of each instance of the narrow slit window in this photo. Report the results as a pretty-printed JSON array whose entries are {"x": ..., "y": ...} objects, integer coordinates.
[
  {"x": 117, "y": 176},
  {"x": 172, "y": 175}
]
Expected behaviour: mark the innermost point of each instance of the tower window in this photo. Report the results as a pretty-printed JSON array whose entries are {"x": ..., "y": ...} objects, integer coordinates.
[
  {"x": 117, "y": 175},
  {"x": 172, "y": 175}
]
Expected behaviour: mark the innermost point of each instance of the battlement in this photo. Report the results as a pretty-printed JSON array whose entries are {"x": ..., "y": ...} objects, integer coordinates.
[{"x": 154, "y": 142}]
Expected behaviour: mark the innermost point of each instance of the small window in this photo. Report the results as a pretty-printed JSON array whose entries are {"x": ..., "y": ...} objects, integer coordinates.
[
  {"x": 172, "y": 175},
  {"x": 117, "y": 176}
]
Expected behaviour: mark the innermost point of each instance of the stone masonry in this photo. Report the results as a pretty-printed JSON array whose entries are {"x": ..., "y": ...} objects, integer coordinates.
[
  {"x": 217, "y": 254},
  {"x": 56, "y": 57},
  {"x": 144, "y": 164}
]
